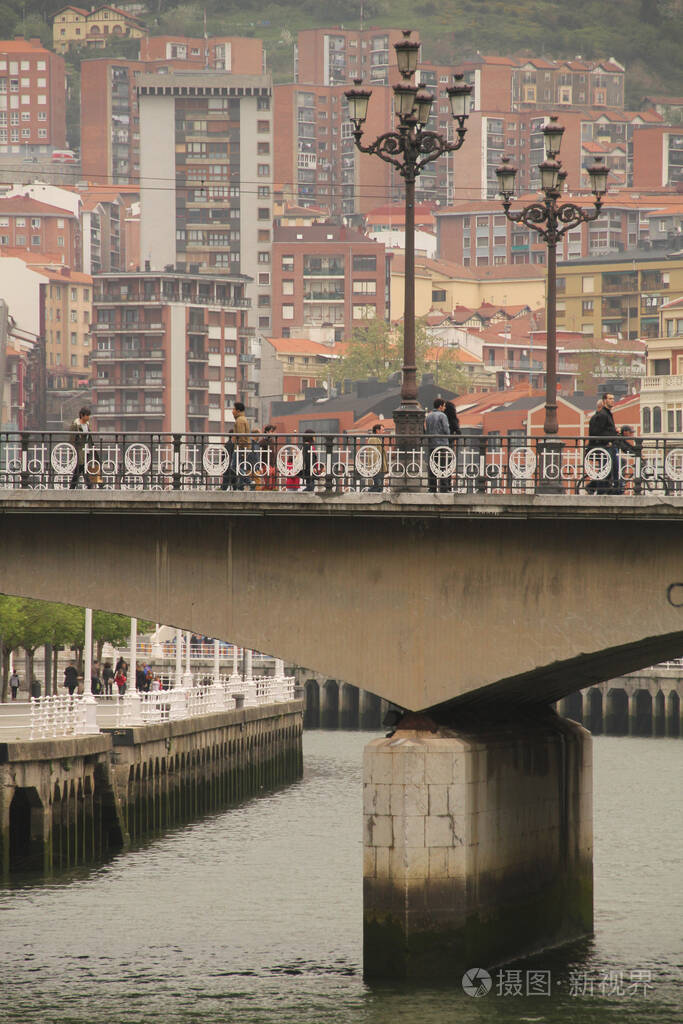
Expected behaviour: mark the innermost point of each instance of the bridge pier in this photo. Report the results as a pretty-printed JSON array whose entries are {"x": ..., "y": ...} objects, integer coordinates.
[{"x": 478, "y": 843}]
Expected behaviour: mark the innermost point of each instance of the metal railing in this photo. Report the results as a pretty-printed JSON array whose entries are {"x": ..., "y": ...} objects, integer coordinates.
[
  {"x": 84, "y": 714},
  {"x": 49, "y": 717},
  {"x": 333, "y": 463}
]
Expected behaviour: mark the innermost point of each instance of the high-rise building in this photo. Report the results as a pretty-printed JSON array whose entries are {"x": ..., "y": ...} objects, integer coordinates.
[
  {"x": 169, "y": 351},
  {"x": 32, "y": 98},
  {"x": 110, "y": 118},
  {"x": 335, "y": 56},
  {"x": 206, "y": 163}
]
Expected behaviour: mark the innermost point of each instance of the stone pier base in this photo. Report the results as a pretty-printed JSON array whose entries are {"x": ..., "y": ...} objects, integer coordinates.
[{"x": 478, "y": 844}]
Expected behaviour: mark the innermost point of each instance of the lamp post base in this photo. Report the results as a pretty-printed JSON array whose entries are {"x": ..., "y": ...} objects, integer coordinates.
[{"x": 409, "y": 421}]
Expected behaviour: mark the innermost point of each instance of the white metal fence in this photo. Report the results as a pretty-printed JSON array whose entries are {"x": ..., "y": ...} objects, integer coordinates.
[{"x": 79, "y": 715}]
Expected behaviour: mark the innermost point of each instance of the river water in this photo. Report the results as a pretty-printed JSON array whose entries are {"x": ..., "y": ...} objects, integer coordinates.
[{"x": 253, "y": 916}]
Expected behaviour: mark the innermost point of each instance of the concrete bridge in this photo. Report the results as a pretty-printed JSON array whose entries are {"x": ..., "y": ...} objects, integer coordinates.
[{"x": 473, "y": 613}]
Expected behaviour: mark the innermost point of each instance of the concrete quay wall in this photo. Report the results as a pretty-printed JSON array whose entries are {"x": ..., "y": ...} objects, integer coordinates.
[{"x": 65, "y": 802}]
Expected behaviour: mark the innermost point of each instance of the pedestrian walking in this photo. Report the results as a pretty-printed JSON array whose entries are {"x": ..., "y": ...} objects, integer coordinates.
[
  {"x": 71, "y": 678},
  {"x": 121, "y": 679},
  {"x": 14, "y": 684},
  {"x": 601, "y": 431},
  {"x": 80, "y": 432},
  {"x": 437, "y": 431},
  {"x": 376, "y": 440},
  {"x": 107, "y": 678}
]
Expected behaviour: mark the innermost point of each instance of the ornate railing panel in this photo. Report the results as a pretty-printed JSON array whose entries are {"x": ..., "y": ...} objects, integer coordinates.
[{"x": 332, "y": 463}]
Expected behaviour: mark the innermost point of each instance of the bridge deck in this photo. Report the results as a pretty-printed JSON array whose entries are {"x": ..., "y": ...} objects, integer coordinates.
[{"x": 401, "y": 504}]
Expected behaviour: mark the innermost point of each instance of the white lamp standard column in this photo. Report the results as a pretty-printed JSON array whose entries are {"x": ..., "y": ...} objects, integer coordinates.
[
  {"x": 187, "y": 678},
  {"x": 87, "y": 651},
  {"x": 178, "y": 658},
  {"x": 216, "y": 660},
  {"x": 133, "y": 712},
  {"x": 235, "y": 661}
]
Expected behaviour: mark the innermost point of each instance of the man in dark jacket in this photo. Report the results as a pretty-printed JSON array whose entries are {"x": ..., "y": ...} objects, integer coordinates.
[
  {"x": 601, "y": 428},
  {"x": 71, "y": 678}
]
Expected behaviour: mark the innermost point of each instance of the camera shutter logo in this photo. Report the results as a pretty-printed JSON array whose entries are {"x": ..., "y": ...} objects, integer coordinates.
[{"x": 476, "y": 982}]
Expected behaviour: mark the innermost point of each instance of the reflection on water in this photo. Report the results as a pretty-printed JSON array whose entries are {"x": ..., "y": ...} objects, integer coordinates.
[{"x": 253, "y": 916}]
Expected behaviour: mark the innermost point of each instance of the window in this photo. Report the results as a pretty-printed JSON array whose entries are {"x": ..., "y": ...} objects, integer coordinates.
[
  {"x": 35, "y": 239},
  {"x": 288, "y": 287},
  {"x": 263, "y": 170},
  {"x": 365, "y": 287},
  {"x": 287, "y": 263},
  {"x": 656, "y": 420},
  {"x": 263, "y": 213},
  {"x": 588, "y": 284},
  {"x": 263, "y": 126},
  {"x": 74, "y": 294},
  {"x": 364, "y": 312},
  {"x": 74, "y": 338},
  {"x": 587, "y": 306},
  {"x": 264, "y": 191},
  {"x": 263, "y": 235},
  {"x": 264, "y": 278},
  {"x": 365, "y": 263},
  {"x": 438, "y": 294},
  {"x": 264, "y": 257},
  {"x": 287, "y": 312},
  {"x": 263, "y": 148},
  {"x": 646, "y": 420}
]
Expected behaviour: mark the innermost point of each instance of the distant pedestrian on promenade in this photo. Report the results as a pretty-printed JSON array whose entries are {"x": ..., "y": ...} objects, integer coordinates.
[
  {"x": 107, "y": 678},
  {"x": 121, "y": 679},
  {"x": 95, "y": 679},
  {"x": 438, "y": 433},
  {"x": 71, "y": 678},
  {"x": 80, "y": 432},
  {"x": 14, "y": 684}
]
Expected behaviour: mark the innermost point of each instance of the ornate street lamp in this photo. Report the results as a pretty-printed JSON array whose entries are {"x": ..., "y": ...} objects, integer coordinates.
[
  {"x": 408, "y": 149},
  {"x": 551, "y": 219}
]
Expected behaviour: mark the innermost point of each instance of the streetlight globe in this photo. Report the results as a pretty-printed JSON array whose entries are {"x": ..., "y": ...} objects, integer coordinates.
[
  {"x": 552, "y": 137},
  {"x": 459, "y": 97},
  {"x": 506, "y": 174},
  {"x": 597, "y": 173},
  {"x": 406, "y": 55},
  {"x": 423, "y": 104},
  {"x": 550, "y": 175},
  {"x": 358, "y": 100},
  {"x": 404, "y": 99}
]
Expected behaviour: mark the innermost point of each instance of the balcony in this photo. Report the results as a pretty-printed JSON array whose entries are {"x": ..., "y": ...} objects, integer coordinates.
[
  {"x": 324, "y": 297},
  {"x": 198, "y": 410},
  {"x": 667, "y": 382}
]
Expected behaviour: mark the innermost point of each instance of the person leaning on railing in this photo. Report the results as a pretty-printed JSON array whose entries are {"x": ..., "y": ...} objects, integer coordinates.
[{"x": 438, "y": 432}]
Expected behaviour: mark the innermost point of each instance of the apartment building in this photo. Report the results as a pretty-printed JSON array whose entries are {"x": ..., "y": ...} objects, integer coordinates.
[
  {"x": 94, "y": 27},
  {"x": 509, "y": 83},
  {"x": 618, "y": 296},
  {"x": 38, "y": 227},
  {"x": 335, "y": 56},
  {"x": 68, "y": 313},
  {"x": 169, "y": 351},
  {"x": 32, "y": 98},
  {"x": 103, "y": 214},
  {"x": 658, "y": 156},
  {"x": 241, "y": 55},
  {"x": 519, "y": 135},
  {"x": 326, "y": 274},
  {"x": 295, "y": 366},
  {"x": 206, "y": 161},
  {"x": 661, "y": 395},
  {"x": 479, "y": 234},
  {"x": 110, "y": 116}
]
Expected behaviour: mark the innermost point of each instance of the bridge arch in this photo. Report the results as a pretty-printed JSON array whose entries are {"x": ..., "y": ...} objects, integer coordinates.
[{"x": 421, "y": 599}]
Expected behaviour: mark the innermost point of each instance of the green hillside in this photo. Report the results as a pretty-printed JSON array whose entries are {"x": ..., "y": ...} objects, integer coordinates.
[{"x": 646, "y": 35}]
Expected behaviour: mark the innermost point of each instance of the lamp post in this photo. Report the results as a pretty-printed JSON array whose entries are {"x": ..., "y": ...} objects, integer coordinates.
[
  {"x": 409, "y": 149},
  {"x": 551, "y": 220}
]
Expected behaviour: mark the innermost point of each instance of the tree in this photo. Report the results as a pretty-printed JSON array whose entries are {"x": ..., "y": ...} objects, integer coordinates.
[
  {"x": 11, "y": 625},
  {"x": 376, "y": 350}
]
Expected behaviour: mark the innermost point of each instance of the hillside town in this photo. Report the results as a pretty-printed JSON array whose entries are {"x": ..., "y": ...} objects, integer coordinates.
[{"x": 215, "y": 238}]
